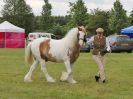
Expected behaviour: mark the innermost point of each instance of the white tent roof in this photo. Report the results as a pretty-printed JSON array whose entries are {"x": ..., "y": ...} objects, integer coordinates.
[{"x": 8, "y": 27}]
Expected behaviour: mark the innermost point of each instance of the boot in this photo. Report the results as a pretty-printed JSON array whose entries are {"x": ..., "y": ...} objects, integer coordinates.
[{"x": 97, "y": 78}]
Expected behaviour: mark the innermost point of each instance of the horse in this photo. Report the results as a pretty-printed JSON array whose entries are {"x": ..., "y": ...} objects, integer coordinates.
[{"x": 65, "y": 50}]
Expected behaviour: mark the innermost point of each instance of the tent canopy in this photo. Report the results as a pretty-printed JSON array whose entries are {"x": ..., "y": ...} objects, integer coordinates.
[
  {"x": 11, "y": 36},
  {"x": 8, "y": 27},
  {"x": 128, "y": 31}
]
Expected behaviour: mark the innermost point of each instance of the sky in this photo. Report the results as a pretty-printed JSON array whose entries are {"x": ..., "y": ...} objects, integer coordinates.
[{"x": 61, "y": 7}]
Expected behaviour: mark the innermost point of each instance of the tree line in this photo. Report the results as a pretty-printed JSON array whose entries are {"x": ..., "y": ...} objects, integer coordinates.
[{"x": 112, "y": 21}]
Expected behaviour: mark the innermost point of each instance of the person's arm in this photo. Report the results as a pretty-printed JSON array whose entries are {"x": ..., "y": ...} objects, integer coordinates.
[{"x": 108, "y": 45}]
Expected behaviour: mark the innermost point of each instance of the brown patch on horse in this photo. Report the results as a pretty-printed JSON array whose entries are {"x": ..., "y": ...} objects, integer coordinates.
[
  {"x": 74, "y": 53},
  {"x": 44, "y": 51}
]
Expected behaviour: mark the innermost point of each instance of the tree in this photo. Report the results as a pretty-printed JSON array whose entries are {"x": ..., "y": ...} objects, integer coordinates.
[
  {"x": 18, "y": 13},
  {"x": 1, "y": 19},
  {"x": 61, "y": 20},
  {"x": 78, "y": 13},
  {"x": 98, "y": 18},
  {"x": 46, "y": 16},
  {"x": 38, "y": 23},
  {"x": 131, "y": 18},
  {"x": 118, "y": 17},
  {"x": 59, "y": 25}
]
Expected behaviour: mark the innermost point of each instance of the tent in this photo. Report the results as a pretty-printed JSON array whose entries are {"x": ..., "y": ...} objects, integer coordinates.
[
  {"x": 11, "y": 36},
  {"x": 128, "y": 31}
]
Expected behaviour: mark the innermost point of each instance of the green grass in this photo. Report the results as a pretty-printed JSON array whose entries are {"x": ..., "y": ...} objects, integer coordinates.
[{"x": 119, "y": 74}]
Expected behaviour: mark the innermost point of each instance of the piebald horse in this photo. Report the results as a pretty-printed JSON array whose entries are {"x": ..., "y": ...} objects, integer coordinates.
[{"x": 65, "y": 50}]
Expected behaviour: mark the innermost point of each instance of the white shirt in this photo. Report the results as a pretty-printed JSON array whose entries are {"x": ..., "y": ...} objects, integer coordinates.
[{"x": 107, "y": 43}]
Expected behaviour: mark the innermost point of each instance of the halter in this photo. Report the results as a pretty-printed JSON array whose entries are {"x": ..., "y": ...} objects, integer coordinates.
[
  {"x": 84, "y": 39},
  {"x": 82, "y": 28}
]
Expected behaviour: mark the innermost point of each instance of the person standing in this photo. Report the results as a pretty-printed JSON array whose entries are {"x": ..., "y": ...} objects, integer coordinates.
[{"x": 100, "y": 47}]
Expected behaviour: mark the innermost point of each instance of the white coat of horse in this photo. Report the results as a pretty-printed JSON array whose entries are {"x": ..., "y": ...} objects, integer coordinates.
[{"x": 65, "y": 50}]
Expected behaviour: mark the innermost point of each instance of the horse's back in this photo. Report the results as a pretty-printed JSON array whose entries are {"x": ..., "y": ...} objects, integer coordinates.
[{"x": 36, "y": 42}]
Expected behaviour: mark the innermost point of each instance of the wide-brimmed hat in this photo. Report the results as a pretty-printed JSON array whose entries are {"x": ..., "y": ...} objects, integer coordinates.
[{"x": 101, "y": 30}]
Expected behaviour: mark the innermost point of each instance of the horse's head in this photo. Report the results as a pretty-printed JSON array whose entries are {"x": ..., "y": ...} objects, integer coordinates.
[{"x": 82, "y": 35}]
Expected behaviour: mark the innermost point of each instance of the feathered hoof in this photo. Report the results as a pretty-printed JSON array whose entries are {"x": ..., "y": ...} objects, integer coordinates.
[
  {"x": 28, "y": 80},
  {"x": 64, "y": 76},
  {"x": 51, "y": 80},
  {"x": 72, "y": 81}
]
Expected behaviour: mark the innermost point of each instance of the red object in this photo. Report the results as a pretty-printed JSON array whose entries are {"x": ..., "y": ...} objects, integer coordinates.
[
  {"x": 116, "y": 44},
  {"x": 2, "y": 39},
  {"x": 131, "y": 44},
  {"x": 15, "y": 40},
  {"x": 11, "y": 36}
]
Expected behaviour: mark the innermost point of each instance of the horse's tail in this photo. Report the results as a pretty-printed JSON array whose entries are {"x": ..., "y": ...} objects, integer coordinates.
[{"x": 28, "y": 54}]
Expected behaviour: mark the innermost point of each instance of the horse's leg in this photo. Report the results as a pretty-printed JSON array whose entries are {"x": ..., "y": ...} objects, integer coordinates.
[
  {"x": 27, "y": 77},
  {"x": 44, "y": 69},
  {"x": 70, "y": 78},
  {"x": 66, "y": 76}
]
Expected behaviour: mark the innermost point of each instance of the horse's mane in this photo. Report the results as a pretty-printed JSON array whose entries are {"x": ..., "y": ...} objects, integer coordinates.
[
  {"x": 73, "y": 30},
  {"x": 71, "y": 37}
]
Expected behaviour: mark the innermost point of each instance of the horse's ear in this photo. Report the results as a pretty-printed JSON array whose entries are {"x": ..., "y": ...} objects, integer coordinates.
[
  {"x": 79, "y": 28},
  {"x": 82, "y": 28}
]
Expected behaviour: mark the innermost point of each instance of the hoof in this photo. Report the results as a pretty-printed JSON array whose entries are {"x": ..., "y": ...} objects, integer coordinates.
[
  {"x": 72, "y": 81},
  {"x": 51, "y": 80},
  {"x": 28, "y": 80},
  {"x": 64, "y": 76}
]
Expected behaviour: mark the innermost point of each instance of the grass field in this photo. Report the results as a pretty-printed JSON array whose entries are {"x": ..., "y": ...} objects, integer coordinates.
[{"x": 119, "y": 74}]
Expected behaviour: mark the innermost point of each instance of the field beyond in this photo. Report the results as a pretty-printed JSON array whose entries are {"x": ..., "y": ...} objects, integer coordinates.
[{"x": 119, "y": 74}]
